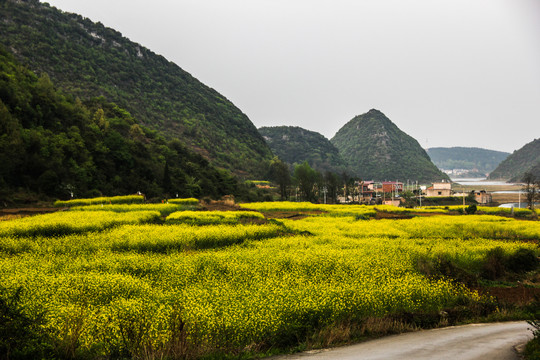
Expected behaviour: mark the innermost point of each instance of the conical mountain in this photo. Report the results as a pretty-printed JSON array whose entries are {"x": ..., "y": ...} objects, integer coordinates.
[
  {"x": 375, "y": 148},
  {"x": 294, "y": 145},
  {"x": 87, "y": 59},
  {"x": 514, "y": 167}
]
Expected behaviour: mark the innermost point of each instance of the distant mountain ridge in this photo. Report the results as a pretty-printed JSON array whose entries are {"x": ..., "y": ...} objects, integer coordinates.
[
  {"x": 526, "y": 159},
  {"x": 294, "y": 145},
  {"x": 87, "y": 59},
  {"x": 375, "y": 148},
  {"x": 476, "y": 161}
]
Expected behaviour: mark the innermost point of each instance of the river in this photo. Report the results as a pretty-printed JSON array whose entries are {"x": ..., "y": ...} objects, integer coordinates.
[{"x": 480, "y": 182}]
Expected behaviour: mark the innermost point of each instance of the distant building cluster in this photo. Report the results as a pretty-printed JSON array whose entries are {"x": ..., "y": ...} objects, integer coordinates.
[{"x": 389, "y": 192}]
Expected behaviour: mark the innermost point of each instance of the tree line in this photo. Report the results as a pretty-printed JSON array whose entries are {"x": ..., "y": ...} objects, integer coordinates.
[{"x": 308, "y": 184}]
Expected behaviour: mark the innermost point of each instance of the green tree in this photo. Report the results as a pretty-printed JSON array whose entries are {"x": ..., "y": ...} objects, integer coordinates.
[
  {"x": 279, "y": 172},
  {"x": 306, "y": 179},
  {"x": 167, "y": 184},
  {"x": 332, "y": 185}
]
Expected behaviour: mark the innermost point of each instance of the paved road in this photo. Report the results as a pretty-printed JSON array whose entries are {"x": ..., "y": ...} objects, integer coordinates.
[{"x": 495, "y": 341}]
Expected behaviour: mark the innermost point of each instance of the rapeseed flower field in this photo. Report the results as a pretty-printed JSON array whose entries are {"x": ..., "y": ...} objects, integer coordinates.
[{"x": 106, "y": 284}]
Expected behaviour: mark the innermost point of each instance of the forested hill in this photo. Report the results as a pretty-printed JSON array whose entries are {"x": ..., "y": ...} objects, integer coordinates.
[
  {"x": 88, "y": 60},
  {"x": 295, "y": 145},
  {"x": 476, "y": 160},
  {"x": 375, "y": 148},
  {"x": 526, "y": 159},
  {"x": 53, "y": 144}
]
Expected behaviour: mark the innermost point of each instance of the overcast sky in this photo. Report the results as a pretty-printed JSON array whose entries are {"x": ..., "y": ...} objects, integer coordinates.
[{"x": 447, "y": 72}]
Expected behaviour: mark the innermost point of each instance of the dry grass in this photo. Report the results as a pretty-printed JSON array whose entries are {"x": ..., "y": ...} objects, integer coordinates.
[
  {"x": 348, "y": 332},
  {"x": 9, "y": 217},
  {"x": 507, "y": 198},
  {"x": 505, "y": 187}
]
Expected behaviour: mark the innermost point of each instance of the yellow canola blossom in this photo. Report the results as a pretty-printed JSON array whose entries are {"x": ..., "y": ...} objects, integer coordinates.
[
  {"x": 164, "y": 209},
  {"x": 212, "y": 217},
  {"x": 124, "y": 287},
  {"x": 127, "y": 199},
  {"x": 68, "y": 222}
]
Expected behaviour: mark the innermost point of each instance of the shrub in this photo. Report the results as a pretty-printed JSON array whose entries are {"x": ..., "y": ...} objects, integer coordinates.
[
  {"x": 20, "y": 336},
  {"x": 532, "y": 350},
  {"x": 471, "y": 209},
  {"x": 494, "y": 265},
  {"x": 498, "y": 263},
  {"x": 522, "y": 261}
]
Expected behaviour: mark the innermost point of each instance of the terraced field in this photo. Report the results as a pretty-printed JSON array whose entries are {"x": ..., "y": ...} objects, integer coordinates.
[{"x": 140, "y": 283}]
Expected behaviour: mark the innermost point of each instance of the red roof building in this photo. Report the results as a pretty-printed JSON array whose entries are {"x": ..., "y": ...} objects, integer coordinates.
[{"x": 392, "y": 186}]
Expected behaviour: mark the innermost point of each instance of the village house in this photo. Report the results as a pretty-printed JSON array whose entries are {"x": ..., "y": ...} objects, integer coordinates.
[
  {"x": 392, "y": 186},
  {"x": 366, "y": 189},
  {"x": 443, "y": 188},
  {"x": 482, "y": 197},
  {"x": 393, "y": 202}
]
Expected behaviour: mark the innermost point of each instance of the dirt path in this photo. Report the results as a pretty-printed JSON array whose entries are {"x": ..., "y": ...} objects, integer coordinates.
[{"x": 494, "y": 341}]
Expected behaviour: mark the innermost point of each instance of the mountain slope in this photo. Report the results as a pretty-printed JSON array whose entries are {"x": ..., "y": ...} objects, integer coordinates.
[
  {"x": 87, "y": 60},
  {"x": 293, "y": 145},
  {"x": 53, "y": 144},
  {"x": 476, "y": 160},
  {"x": 526, "y": 159},
  {"x": 375, "y": 148}
]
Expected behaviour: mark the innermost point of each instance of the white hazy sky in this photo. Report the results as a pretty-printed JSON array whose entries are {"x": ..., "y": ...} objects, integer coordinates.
[{"x": 447, "y": 72}]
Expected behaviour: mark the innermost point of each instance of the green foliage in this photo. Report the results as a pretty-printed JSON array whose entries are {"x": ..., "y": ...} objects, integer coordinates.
[
  {"x": 57, "y": 145},
  {"x": 498, "y": 263},
  {"x": 477, "y": 161},
  {"x": 88, "y": 60},
  {"x": 295, "y": 145},
  {"x": 306, "y": 179},
  {"x": 526, "y": 159},
  {"x": 332, "y": 183},
  {"x": 375, "y": 148},
  {"x": 21, "y": 337},
  {"x": 532, "y": 350},
  {"x": 471, "y": 209},
  {"x": 279, "y": 172},
  {"x": 522, "y": 260}
]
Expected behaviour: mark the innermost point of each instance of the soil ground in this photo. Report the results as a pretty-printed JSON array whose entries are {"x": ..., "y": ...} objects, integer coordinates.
[
  {"x": 518, "y": 295},
  {"x": 12, "y": 213}
]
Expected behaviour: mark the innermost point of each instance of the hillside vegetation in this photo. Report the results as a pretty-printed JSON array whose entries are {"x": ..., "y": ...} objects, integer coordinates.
[
  {"x": 54, "y": 144},
  {"x": 88, "y": 60},
  {"x": 478, "y": 161},
  {"x": 526, "y": 159},
  {"x": 375, "y": 148},
  {"x": 295, "y": 145}
]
